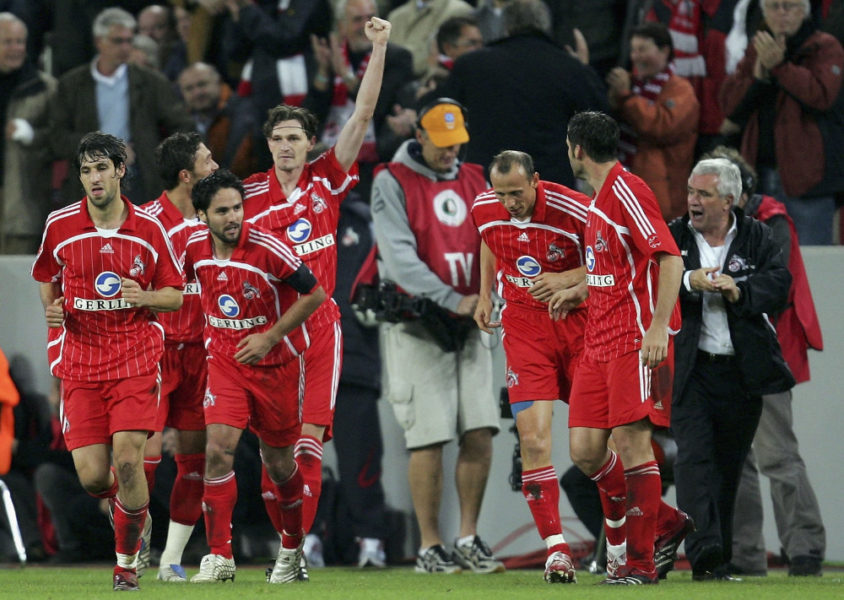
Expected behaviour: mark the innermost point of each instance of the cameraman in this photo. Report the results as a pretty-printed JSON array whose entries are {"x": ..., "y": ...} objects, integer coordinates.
[{"x": 430, "y": 248}]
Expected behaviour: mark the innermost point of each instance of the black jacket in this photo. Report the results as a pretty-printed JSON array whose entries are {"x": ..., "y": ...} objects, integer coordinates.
[
  {"x": 154, "y": 113},
  {"x": 521, "y": 92},
  {"x": 361, "y": 357},
  {"x": 756, "y": 263}
]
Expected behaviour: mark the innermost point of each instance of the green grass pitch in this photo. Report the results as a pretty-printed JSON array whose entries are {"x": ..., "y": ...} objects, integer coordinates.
[{"x": 399, "y": 583}]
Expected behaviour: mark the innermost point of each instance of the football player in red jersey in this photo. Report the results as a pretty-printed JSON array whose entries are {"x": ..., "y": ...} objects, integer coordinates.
[
  {"x": 300, "y": 202},
  {"x": 182, "y": 160},
  {"x": 256, "y": 295},
  {"x": 115, "y": 266},
  {"x": 623, "y": 383},
  {"x": 532, "y": 233}
]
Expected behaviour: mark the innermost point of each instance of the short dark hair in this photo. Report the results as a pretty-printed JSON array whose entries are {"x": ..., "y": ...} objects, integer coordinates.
[
  {"x": 525, "y": 16},
  {"x": 96, "y": 144},
  {"x": 285, "y": 112},
  {"x": 450, "y": 29},
  {"x": 658, "y": 33},
  {"x": 175, "y": 153},
  {"x": 597, "y": 133},
  {"x": 205, "y": 189},
  {"x": 507, "y": 159}
]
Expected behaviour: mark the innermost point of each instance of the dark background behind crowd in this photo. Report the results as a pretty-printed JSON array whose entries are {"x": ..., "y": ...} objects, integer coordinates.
[{"x": 228, "y": 61}]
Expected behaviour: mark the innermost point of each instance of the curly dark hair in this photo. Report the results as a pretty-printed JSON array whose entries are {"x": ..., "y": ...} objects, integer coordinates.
[
  {"x": 206, "y": 188},
  {"x": 96, "y": 145}
]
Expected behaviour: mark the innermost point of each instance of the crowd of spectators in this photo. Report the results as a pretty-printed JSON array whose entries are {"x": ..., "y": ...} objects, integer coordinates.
[{"x": 228, "y": 61}]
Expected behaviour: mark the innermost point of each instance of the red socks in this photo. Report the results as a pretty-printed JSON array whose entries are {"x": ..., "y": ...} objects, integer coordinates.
[
  {"x": 644, "y": 495},
  {"x": 308, "y": 455},
  {"x": 284, "y": 505},
  {"x": 186, "y": 497},
  {"x": 291, "y": 506},
  {"x": 128, "y": 524},
  {"x": 218, "y": 500},
  {"x": 613, "y": 491},
  {"x": 542, "y": 492},
  {"x": 150, "y": 465},
  {"x": 269, "y": 494},
  {"x": 666, "y": 519}
]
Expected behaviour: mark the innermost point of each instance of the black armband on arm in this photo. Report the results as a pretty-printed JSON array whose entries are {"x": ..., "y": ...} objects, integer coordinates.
[{"x": 303, "y": 280}]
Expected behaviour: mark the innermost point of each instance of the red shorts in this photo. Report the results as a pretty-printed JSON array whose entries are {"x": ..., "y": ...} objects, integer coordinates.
[
  {"x": 183, "y": 375},
  {"x": 621, "y": 391},
  {"x": 258, "y": 397},
  {"x": 542, "y": 354},
  {"x": 318, "y": 374},
  {"x": 93, "y": 411}
]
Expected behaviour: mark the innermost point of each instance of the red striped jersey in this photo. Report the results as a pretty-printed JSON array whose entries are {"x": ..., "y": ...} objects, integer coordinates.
[
  {"x": 185, "y": 324},
  {"x": 103, "y": 337},
  {"x": 551, "y": 241},
  {"x": 307, "y": 220},
  {"x": 624, "y": 232},
  {"x": 246, "y": 293}
]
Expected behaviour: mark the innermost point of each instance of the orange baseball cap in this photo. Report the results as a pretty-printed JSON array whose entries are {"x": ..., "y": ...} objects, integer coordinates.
[{"x": 445, "y": 125}]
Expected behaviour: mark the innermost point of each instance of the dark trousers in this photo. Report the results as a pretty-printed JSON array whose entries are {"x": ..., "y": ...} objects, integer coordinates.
[
  {"x": 357, "y": 439},
  {"x": 713, "y": 423},
  {"x": 26, "y": 514},
  {"x": 81, "y": 526}
]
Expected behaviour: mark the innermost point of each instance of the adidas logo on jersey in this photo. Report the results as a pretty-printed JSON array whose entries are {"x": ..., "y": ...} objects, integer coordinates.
[
  {"x": 107, "y": 249},
  {"x": 222, "y": 276},
  {"x": 299, "y": 208},
  {"x": 523, "y": 237}
]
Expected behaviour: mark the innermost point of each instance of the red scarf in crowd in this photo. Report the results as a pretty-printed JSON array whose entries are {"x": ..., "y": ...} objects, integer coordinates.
[
  {"x": 292, "y": 79},
  {"x": 686, "y": 30},
  {"x": 650, "y": 89},
  {"x": 341, "y": 110}
]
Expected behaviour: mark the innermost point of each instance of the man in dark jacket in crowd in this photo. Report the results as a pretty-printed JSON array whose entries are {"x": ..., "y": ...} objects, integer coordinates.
[
  {"x": 521, "y": 92},
  {"x": 24, "y": 96},
  {"x": 357, "y": 427},
  {"x": 127, "y": 101}
]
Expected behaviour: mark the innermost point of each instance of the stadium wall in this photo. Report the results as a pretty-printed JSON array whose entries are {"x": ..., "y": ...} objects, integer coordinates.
[{"x": 505, "y": 522}]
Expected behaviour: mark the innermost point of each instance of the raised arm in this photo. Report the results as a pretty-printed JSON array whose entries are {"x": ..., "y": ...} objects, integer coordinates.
[{"x": 351, "y": 136}]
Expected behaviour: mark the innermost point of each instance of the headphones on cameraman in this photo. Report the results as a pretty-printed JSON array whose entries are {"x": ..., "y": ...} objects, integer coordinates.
[
  {"x": 425, "y": 109},
  {"x": 748, "y": 181}
]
